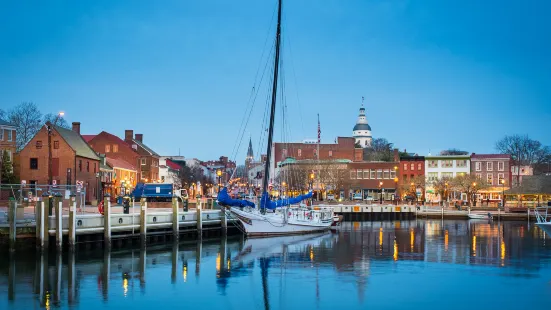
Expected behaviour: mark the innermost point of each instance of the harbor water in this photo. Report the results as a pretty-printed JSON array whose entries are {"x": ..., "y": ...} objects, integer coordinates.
[{"x": 417, "y": 264}]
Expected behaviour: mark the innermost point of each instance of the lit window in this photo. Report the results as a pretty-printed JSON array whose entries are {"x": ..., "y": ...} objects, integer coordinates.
[
  {"x": 372, "y": 173},
  {"x": 479, "y": 175},
  {"x": 353, "y": 174},
  {"x": 405, "y": 167},
  {"x": 386, "y": 174},
  {"x": 115, "y": 148},
  {"x": 330, "y": 153},
  {"x": 412, "y": 166},
  {"x": 366, "y": 173},
  {"x": 419, "y": 166},
  {"x": 107, "y": 148},
  {"x": 501, "y": 178},
  {"x": 490, "y": 179},
  {"x": 379, "y": 174},
  {"x": 359, "y": 173},
  {"x": 299, "y": 152},
  {"x": 143, "y": 162}
]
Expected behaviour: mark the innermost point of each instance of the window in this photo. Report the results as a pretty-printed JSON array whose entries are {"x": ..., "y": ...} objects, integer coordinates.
[
  {"x": 478, "y": 166},
  {"x": 392, "y": 173},
  {"x": 142, "y": 161},
  {"x": 353, "y": 174},
  {"x": 448, "y": 175},
  {"x": 489, "y": 166},
  {"x": 1, "y": 134},
  {"x": 379, "y": 174},
  {"x": 79, "y": 165},
  {"x": 372, "y": 174},
  {"x": 359, "y": 174},
  {"x": 432, "y": 176},
  {"x": 56, "y": 144},
  {"x": 366, "y": 173},
  {"x": 33, "y": 163},
  {"x": 386, "y": 174},
  {"x": 299, "y": 152},
  {"x": 419, "y": 166},
  {"x": 405, "y": 178},
  {"x": 95, "y": 167},
  {"x": 501, "y": 178},
  {"x": 461, "y": 163},
  {"x": 107, "y": 148},
  {"x": 490, "y": 179},
  {"x": 9, "y": 135},
  {"x": 405, "y": 167},
  {"x": 315, "y": 153},
  {"x": 479, "y": 175},
  {"x": 330, "y": 153},
  {"x": 500, "y": 166},
  {"x": 447, "y": 163},
  {"x": 38, "y": 144},
  {"x": 412, "y": 166},
  {"x": 433, "y": 164},
  {"x": 115, "y": 148},
  {"x": 87, "y": 166}
]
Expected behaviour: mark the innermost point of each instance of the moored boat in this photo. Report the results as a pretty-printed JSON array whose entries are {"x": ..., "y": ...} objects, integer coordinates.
[{"x": 479, "y": 216}]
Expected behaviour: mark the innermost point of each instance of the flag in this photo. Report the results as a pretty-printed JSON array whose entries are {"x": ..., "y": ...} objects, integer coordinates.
[{"x": 319, "y": 129}]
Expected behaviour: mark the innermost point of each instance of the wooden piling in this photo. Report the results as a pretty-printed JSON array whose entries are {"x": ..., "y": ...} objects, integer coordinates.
[
  {"x": 71, "y": 281},
  {"x": 106, "y": 272},
  {"x": 59, "y": 222},
  {"x": 44, "y": 221},
  {"x": 12, "y": 210},
  {"x": 107, "y": 221},
  {"x": 175, "y": 218},
  {"x": 199, "y": 219},
  {"x": 72, "y": 222},
  {"x": 143, "y": 220},
  {"x": 223, "y": 221},
  {"x": 174, "y": 259}
]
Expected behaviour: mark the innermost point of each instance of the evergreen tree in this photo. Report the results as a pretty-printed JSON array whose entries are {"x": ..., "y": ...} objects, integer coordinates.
[{"x": 7, "y": 169}]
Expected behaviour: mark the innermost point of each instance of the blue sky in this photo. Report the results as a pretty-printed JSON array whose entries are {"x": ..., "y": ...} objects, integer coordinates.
[{"x": 435, "y": 74}]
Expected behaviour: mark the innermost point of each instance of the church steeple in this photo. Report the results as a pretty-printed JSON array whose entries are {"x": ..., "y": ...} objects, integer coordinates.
[{"x": 250, "y": 154}]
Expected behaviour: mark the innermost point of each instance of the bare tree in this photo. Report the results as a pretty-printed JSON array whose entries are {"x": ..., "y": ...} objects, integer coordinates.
[
  {"x": 524, "y": 151},
  {"x": 468, "y": 184},
  {"x": 331, "y": 175},
  {"x": 442, "y": 187},
  {"x": 27, "y": 120},
  {"x": 53, "y": 118},
  {"x": 409, "y": 187},
  {"x": 453, "y": 152},
  {"x": 380, "y": 150},
  {"x": 2, "y": 115}
]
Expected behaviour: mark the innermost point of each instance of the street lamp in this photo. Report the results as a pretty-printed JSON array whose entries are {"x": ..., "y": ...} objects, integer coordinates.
[
  {"x": 396, "y": 189},
  {"x": 49, "y": 128},
  {"x": 312, "y": 176},
  {"x": 503, "y": 193},
  {"x": 381, "y": 192},
  {"x": 219, "y": 174},
  {"x": 474, "y": 197}
]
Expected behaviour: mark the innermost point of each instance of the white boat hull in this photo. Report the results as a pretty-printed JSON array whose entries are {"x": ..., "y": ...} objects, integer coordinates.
[
  {"x": 296, "y": 221},
  {"x": 545, "y": 227},
  {"x": 478, "y": 217}
]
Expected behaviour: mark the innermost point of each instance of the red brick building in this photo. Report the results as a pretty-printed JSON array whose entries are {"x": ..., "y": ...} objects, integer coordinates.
[
  {"x": 72, "y": 159},
  {"x": 410, "y": 167},
  {"x": 495, "y": 169},
  {"x": 7, "y": 139},
  {"x": 343, "y": 149},
  {"x": 148, "y": 167}
]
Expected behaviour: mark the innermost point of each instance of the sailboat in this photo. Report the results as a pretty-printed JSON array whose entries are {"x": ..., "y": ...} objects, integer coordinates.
[{"x": 282, "y": 217}]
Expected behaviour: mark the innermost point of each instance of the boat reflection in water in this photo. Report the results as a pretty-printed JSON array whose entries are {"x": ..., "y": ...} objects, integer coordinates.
[{"x": 363, "y": 264}]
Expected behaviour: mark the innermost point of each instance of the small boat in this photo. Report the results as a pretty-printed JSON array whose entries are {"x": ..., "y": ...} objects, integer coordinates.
[
  {"x": 478, "y": 216},
  {"x": 543, "y": 218}
]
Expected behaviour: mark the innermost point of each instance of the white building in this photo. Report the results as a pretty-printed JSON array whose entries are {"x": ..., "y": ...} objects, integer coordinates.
[
  {"x": 440, "y": 166},
  {"x": 255, "y": 175},
  {"x": 362, "y": 130},
  {"x": 169, "y": 172}
]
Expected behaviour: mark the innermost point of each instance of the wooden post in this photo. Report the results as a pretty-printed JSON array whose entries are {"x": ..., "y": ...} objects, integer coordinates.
[
  {"x": 198, "y": 251},
  {"x": 175, "y": 218},
  {"x": 106, "y": 272},
  {"x": 72, "y": 221},
  {"x": 12, "y": 210},
  {"x": 174, "y": 258},
  {"x": 199, "y": 218},
  {"x": 223, "y": 221},
  {"x": 71, "y": 281},
  {"x": 143, "y": 220},
  {"x": 107, "y": 221},
  {"x": 143, "y": 260},
  {"x": 59, "y": 222},
  {"x": 58, "y": 268},
  {"x": 11, "y": 277},
  {"x": 44, "y": 221}
]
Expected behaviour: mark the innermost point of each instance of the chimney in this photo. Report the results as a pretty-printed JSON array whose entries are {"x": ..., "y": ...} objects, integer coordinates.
[
  {"x": 139, "y": 137},
  {"x": 358, "y": 154},
  {"x": 76, "y": 127},
  {"x": 128, "y": 134},
  {"x": 396, "y": 155}
]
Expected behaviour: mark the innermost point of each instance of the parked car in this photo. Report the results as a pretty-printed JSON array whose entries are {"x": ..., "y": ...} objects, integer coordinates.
[
  {"x": 331, "y": 197},
  {"x": 357, "y": 197}
]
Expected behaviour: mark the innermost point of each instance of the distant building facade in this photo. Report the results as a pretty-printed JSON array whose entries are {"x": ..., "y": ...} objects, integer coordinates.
[
  {"x": 440, "y": 166},
  {"x": 7, "y": 140},
  {"x": 149, "y": 159},
  {"x": 495, "y": 170}
]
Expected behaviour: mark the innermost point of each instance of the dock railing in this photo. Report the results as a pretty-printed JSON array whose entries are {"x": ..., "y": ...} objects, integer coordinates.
[{"x": 543, "y": 214}]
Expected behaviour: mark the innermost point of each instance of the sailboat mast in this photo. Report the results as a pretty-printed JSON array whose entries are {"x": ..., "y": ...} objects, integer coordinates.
[{"x": 272, "y": 110}]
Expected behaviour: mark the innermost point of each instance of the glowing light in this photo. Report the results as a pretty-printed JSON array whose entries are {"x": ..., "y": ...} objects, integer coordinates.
[
  {"x": 474, "y": 246},
  {"x": 229, "y": 264},
  {"x": 218, "y": 261},
  {"x": 446, "y": 241},
  {"x": 411, "y": 239},
  {"x": 312, "y": 254},
  {"x": 125, "y": 286},
  {"x": 184, "y": 273},
  {"x": 61, "y": 113},
  {"x": 395, "y": 256},
  {"x": 47, "y": 304},
  {"x": 381, "y": 236},
  {"x": 503, "y": 251}
]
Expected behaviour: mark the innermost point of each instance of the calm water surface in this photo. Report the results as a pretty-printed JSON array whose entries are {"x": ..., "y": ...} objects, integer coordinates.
[{"x": 376, "y": 265}]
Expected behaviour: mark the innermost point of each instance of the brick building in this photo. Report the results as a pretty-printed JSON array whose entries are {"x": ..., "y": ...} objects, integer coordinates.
[
  {"x": 7, "y": 139},
  {"x": 495, "y": 169},
  {"x": 72, "y": 159},
  {"x": 148, "y": 167},
  {"x": 410, "y": 167}
]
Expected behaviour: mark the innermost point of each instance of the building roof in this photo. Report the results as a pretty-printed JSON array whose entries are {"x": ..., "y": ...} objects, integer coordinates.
[
  {"x": 172, "y": 165},
  {"x": 88, "y": 138},
  {"x": 361, "y": 127},
  {"x": 145, "y": 147},
  {"x": 4, "y": 123},
  {"x": 531, "y": 185},
  {"x": 77, "y": 143},
  {"x": 292, "y": 160},
  {"x": 488, "y": 156},
  {"x": 120, "y": 164}
]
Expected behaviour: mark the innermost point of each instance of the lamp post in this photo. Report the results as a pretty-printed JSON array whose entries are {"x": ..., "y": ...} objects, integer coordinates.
[
  {"x": 474, "y": 195},
  {"x": 381, "y": 192},
  {"x": 219, "y": 174},
  {"x": 446, "y": 193},
  {"x": 503, "y": 193},
  {"x": 414, "y": 191},
  {"x": 312, "y": 187},
  {"x": 49, "y": 128},
  {"x": 396, "y": 189}
]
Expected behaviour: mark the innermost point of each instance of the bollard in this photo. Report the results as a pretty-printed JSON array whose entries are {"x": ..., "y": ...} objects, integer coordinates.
[
  {"x": 224, "y": 221},
  {"x": 442, "y": 212},
  {"x": 59, "y": 222},
  {"x": 12, "y": 205},
  {"x": 107, "y": 221},
  {"x": 44, "y": 221},
  {"x": 175, "y": 218},
  {"x": 199, "y": 218},
  {"x": 72, "y": 221},
  {"x": 143, "y": 220}
]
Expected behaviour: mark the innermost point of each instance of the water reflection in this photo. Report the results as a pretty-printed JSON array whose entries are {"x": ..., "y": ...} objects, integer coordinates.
[{"x": 277, "y": 268}]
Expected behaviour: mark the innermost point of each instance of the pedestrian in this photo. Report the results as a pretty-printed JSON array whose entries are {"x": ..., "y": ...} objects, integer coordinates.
[{"x": 488, "y": 201}]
